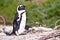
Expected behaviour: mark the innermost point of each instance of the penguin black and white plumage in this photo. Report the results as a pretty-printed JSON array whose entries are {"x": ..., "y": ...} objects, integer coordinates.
[
  {"x": 19, "y": 20},
  {"x": 19, "y": 23}
]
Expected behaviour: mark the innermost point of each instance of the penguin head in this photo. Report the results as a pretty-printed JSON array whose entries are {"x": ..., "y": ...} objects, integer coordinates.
[{"x": 21, "y": 7}]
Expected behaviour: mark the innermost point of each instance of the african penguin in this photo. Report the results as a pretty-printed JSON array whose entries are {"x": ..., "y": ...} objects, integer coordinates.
[
  {"x": 19, "y": 23},
  {"x": 19, "y": 20}
]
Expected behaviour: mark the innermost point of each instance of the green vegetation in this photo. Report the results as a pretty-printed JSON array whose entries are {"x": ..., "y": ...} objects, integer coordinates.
[{"x": 45, "y": 13}]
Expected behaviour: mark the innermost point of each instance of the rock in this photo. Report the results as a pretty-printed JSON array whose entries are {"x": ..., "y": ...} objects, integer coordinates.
[
  {"x": 2, "y": 34},
  {"x": 32, "y": 34},
  {"x": 8, "y": 29}
]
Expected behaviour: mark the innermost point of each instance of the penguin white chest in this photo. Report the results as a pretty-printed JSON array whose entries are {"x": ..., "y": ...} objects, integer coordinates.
[
  {"x": 20, "y": 20},
  {"x": 22, "y": 23}
]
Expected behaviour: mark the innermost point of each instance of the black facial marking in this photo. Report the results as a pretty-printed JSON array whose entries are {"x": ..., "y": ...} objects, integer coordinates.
[{"x": 21, "y": 8}]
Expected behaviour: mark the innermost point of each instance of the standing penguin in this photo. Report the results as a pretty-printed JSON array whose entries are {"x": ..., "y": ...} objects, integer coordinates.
[
  {"x": 19, "y": 20},
  {"x": 19, "y": 23}
]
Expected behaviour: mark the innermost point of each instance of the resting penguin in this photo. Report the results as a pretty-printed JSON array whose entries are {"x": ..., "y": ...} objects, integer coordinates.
[
  {"x": 19, "y": 20},
  {"x": 19, "y": 23}
]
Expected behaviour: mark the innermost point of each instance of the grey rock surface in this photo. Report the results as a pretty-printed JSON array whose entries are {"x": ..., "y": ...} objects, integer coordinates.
[{"x": 31, "y": 35}]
